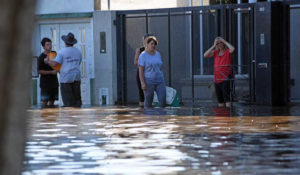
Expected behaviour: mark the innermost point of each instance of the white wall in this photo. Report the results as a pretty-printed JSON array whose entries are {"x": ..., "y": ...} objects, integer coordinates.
[
  {"x": 64, "y": 6},
  {"x": 138, "y": 4},
  {"x": 105, "y": 63}
]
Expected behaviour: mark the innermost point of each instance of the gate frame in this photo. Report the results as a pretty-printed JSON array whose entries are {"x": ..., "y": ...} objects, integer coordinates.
[
  {"x": 223, "y": 9},
  {"x": 287, "y": 6}
]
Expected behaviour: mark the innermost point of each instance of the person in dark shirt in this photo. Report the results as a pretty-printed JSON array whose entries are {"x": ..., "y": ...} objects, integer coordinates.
[{"x": 48, "y": 78}]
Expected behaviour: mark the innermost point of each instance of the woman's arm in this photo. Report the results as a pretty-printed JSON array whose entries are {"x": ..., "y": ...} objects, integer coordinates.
[
  {"x": 50, "y": 63},
  {"x": 142, "y": 77},
  {"x": 230, "y": 47},
  {"x": 210, "y": 52},
  {"x": 136, "y": 56},
  {"x": 47, "y": 72}
]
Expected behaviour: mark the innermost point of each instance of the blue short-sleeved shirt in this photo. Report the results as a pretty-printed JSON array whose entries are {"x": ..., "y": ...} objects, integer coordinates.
[
  {"x": 152, "y": 67},
  {"x": 70, "y": 60}
]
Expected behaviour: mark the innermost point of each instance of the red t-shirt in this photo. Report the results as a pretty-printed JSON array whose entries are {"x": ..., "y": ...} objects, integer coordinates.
[{"x": 222, "y": 66}]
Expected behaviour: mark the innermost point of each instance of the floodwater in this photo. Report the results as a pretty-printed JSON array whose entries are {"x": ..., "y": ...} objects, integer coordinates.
[{"x": 186, "y": 140}]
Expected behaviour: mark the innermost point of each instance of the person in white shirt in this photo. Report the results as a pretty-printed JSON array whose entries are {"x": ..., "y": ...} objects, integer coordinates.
[{"x": 70, "y": 59}]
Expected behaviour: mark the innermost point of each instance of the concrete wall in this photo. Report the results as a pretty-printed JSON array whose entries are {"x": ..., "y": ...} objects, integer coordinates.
[
  {"x": 105, "y": 63},
  {"x": 36, "y": 47},
  {"x": 146, "y": 4},
  {"x": 186, "y": 3},
  {"x": 137, "y": 4},
  {"x": 64, "y": 6}
]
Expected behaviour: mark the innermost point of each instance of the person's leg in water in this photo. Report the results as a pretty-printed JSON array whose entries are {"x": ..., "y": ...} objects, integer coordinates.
[
  {"x": 161, "y": 94},
  {"x": 44, "y": 104},
  {"x": 53, "y": 95},
  {"x": 149, "y": 94},
  {"x": 44, "y": 97},
  {"x": 226, "y": 93},
  {"x": 76, "y": 93},
  {"x": 219, "y": 94},
  {"x": 141, "y": 92},
  {"x": 66, "y": 94},
  {"x": 51, "y": 103}
]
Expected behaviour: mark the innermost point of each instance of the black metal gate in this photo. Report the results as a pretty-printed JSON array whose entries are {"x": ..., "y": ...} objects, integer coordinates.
[
  {"x": 293, "y": 9},
  {"x": 184, "y": 34}
]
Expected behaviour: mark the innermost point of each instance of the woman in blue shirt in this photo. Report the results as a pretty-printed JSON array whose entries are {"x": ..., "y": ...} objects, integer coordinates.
[{"x": 151, "y": 76}]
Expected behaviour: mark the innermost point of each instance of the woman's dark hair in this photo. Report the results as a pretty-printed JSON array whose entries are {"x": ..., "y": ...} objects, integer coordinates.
[
  {"x": 44, "y": 40},
  {"x": 152, "y": 38},
  {"x": 147, "y": 35}
]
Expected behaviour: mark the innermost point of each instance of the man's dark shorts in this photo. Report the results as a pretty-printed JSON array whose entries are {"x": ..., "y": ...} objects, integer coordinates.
[{"x": 48, "y": 94}]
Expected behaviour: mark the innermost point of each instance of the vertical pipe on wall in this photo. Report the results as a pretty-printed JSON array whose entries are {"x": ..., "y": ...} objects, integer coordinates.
[
  {"x": 192, "y": 55},
  {"x": 239, "y": 39},
  {"x": 121, "y": 66},
  {"x": 252, "y": 95},
  {"x": 201, "y": 39},
  {"x": 191, "y": 49},
  {"x": 146, "y": 22},
  {"x": 190, "y": 38},
  {"x": 169, "y": 50}
]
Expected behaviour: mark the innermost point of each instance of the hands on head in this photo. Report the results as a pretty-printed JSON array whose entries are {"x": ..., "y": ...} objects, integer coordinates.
[{"x": 218, "y": 40}]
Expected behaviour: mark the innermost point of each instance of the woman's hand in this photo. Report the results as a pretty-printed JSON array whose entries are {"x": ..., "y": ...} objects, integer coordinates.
[
  {"x": 215, "y": 43},
  {"x": 136, "y": 56},
  {"x": 46, "y": 60},
  {"x": 143, "y": 86},
  {"x": 221, "y": 39},
  {"x": 54, "y": 72}
]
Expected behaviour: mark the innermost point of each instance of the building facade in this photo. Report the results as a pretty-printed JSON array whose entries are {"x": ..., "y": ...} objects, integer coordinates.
[
  {"x": 108, "y": 39},
  {"x": 92, "y": 24}
]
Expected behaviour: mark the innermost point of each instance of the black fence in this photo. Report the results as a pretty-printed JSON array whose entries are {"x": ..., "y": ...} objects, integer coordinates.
[{"x": 184, "y": 34}]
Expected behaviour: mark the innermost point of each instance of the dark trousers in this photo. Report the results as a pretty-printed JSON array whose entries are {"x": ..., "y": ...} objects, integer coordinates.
[
  {"x": 223, "y": 91},
  {"x": 141, "y": 92},
  {"x": 71, "y": 94},
  {"x": 49, "y": 94}
]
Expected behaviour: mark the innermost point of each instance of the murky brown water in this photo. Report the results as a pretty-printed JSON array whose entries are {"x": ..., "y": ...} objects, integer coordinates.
[{"x": 204, "y": 140}]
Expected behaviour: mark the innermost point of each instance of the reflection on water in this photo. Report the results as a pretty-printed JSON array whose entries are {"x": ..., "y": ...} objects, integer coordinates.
[{"x": 200, "y": 140}]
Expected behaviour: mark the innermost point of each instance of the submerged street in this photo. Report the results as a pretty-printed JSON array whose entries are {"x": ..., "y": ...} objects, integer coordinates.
[{"x": 185, "y": 140}]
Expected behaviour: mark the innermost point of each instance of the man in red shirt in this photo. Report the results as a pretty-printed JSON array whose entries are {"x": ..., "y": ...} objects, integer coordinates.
[{"x": 222, "y": 53}]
